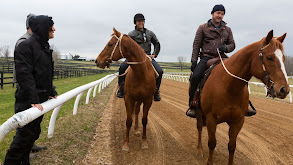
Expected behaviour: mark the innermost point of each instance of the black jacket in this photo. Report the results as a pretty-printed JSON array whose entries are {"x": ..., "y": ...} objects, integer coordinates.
[
  {"x": 144, "y": 40},
  {"x": 34, "y": 65}
]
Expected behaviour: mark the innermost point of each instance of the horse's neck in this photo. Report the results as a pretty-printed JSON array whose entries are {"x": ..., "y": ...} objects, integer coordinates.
[
  {"x": 140, "y": 68},
  {"x": 240, "y": 64}
]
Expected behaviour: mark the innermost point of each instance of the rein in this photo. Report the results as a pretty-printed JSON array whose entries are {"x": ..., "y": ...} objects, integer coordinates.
[
  {"x": 119, "y": 40},
  {"x": 262, "y": 63}
]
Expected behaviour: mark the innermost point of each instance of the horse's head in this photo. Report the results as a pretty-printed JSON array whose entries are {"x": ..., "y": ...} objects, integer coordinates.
[
  {"x": 111, "y": 52},
  {"x": 269, "y": 66}
]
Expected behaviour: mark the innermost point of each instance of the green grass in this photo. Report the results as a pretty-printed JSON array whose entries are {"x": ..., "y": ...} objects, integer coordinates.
[{"x": 62, "y": 86}]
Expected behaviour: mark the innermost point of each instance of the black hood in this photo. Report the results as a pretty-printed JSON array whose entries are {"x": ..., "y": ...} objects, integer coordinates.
[{"x": 40, "y": 26}]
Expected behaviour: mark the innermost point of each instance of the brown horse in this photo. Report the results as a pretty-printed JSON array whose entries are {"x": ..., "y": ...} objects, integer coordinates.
[
  {"x": 225, "y": 98},
  {"x": 140, "y": 81}
]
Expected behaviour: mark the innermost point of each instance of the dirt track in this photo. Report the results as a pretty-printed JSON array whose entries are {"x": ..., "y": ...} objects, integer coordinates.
[{"x": 266, "y": 138}]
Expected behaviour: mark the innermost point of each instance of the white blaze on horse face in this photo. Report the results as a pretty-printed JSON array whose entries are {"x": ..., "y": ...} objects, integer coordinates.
[{"x": 279, "y": 55}]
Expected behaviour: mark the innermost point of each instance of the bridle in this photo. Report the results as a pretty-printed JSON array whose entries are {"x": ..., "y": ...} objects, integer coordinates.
[
  {"x": 119, "y": 40},
  {"x": 270, "y": 87}
]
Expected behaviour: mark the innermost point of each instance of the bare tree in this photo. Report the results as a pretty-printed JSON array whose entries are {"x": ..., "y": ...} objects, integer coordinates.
[
  {"x": 181, "y": 61},
  {"x": 5, "y": 52},
  {"x": 289, "y": 65},
  {"x": 75, "y": 57},
  {"x": 55, "y": 54},
  {"x": 1, "y": 50}
]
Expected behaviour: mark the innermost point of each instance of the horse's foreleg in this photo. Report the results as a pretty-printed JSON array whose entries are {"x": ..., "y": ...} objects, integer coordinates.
[
  {"x": 233, "y": 132},
  {"x": 211, "y": 126},
  {"x": 146, "y": 108},
  {"x": 129, "y": 110},
  {"x": 199, "y": 153},
  {"x": 136, "y": 110}
]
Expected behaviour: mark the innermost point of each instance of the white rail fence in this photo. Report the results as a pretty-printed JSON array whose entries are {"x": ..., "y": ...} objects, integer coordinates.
[
  {"x": 181, "y": 78},
  {"x": 23, "y": 118}
]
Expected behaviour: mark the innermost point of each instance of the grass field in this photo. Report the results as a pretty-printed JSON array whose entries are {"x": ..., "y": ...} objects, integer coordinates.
[{"x": 62, "y": 86}]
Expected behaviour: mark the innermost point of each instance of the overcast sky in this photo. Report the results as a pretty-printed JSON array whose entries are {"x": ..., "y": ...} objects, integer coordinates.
[{"x": 84, "y": 27}]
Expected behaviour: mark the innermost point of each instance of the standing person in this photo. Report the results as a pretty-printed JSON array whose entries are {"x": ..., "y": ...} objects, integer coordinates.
[
  {"x": 144, "y": 38},
  {"x": 213, "y": 35},
  {"x": 34, "y": 74},
  {"x": 25, "y": 36}
]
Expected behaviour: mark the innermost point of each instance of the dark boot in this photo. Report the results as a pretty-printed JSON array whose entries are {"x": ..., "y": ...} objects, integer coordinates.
[
  {"x": 193, "y": 106},
  {"x": 120, "y": 92},
  {"x": 36, "y": 148},
  {"x": 191, "y": 112},
  {"x": 157, "y": 96},
  {"x": 250, "y": 112}
]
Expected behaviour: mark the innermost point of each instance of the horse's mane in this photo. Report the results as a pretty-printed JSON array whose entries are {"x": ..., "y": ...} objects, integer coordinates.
[
  {"x": 134, "y": 46},
  {"x": 256, "y": 46}
]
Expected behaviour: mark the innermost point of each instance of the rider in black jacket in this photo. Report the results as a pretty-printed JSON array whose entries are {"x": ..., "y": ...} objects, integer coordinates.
[
  {"x": 144, "y": 38},
  {"x": 34, "y": 74}
]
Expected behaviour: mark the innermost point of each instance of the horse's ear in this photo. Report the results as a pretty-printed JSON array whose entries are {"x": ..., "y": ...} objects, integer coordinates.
[
  {"x": 269, "y": 37},
  {"x": 281, "y": 39},
  {"x": 116, "y": 32}
]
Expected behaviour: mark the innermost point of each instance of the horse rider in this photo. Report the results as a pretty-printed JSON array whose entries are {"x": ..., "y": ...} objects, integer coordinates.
[
  {"x": 144, "y": 38},
  {"x": 210, "y": 36}
]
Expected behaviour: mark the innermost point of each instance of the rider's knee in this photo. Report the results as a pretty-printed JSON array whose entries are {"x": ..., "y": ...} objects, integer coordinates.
[{"x": 160, "y": 71}]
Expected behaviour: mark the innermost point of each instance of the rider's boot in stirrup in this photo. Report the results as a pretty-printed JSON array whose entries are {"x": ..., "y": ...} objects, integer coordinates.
[
  {"x": 193, "y": 106},
  {"x": 157, "y": 96},
  {"x": 120, "y": 92},
  {"x": 250, "y": 112}
]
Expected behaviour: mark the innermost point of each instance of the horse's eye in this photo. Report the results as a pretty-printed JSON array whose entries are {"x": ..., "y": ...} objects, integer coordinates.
[
  {"x": 270, "y": 58},
  {"x": 110, "y": 44}
]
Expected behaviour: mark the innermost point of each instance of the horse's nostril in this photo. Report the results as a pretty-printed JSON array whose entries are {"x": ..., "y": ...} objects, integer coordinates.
[
  {"x": 96, "y": 61},
  {"x": 283, "y": 90}
]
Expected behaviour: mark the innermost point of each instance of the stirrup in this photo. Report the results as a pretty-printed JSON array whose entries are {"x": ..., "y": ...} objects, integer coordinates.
[
  {"x": 191, "y": 112},
  {"x": 250, "y": 113}
]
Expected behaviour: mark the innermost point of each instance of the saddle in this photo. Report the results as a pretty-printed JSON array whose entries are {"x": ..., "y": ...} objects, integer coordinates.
[{"x": 211, "y": 64}]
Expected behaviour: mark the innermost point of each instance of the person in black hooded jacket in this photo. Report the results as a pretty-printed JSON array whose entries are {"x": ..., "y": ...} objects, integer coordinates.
[{"x": 34, "y": 74}]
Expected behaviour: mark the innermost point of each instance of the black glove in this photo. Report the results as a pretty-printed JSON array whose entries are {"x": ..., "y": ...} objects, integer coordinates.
[
  {"x": 223, "y": 49},
  {"x": 193, "y": 65}
]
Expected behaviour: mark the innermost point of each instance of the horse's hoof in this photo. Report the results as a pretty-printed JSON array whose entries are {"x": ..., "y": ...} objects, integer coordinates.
[
  {"x": 144, "y": 146},
  {"x": 125, "y": 148},
  {"x": 199, "y": 154},
  {"x": 137, "y": 133}
]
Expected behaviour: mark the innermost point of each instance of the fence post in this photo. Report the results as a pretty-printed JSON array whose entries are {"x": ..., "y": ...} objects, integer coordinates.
[{"x": 1, "y": 80}]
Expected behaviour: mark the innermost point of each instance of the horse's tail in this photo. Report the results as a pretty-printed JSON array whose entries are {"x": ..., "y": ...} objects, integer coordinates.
[{"x": 136, "y": 108}]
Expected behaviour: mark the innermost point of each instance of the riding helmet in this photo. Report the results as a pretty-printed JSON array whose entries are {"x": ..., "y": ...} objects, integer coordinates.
[{"x": 138, "y": 17}]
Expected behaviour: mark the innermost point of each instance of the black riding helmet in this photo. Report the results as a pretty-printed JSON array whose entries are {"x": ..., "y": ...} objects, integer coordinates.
[{"x": 138, "y": 17}]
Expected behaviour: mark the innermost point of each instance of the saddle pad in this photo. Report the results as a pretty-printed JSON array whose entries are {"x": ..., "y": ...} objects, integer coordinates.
[{"x": 206, "y": 76}]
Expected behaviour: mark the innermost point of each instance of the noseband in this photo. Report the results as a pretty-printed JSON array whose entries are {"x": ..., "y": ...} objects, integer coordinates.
[{"x": 270, "y": 87}]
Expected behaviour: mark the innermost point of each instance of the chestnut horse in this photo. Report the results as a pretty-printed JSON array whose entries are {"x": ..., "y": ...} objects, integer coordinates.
[
  {"x": 140, "y": 81},
  {"x": 224, "y": 97}
]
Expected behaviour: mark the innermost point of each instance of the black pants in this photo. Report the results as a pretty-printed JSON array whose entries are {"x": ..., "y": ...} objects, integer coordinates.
[
  {"x": 197, "y": 75},
  {"x": 18, "y": 153},
  {"x": 123, "y": 67}
]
